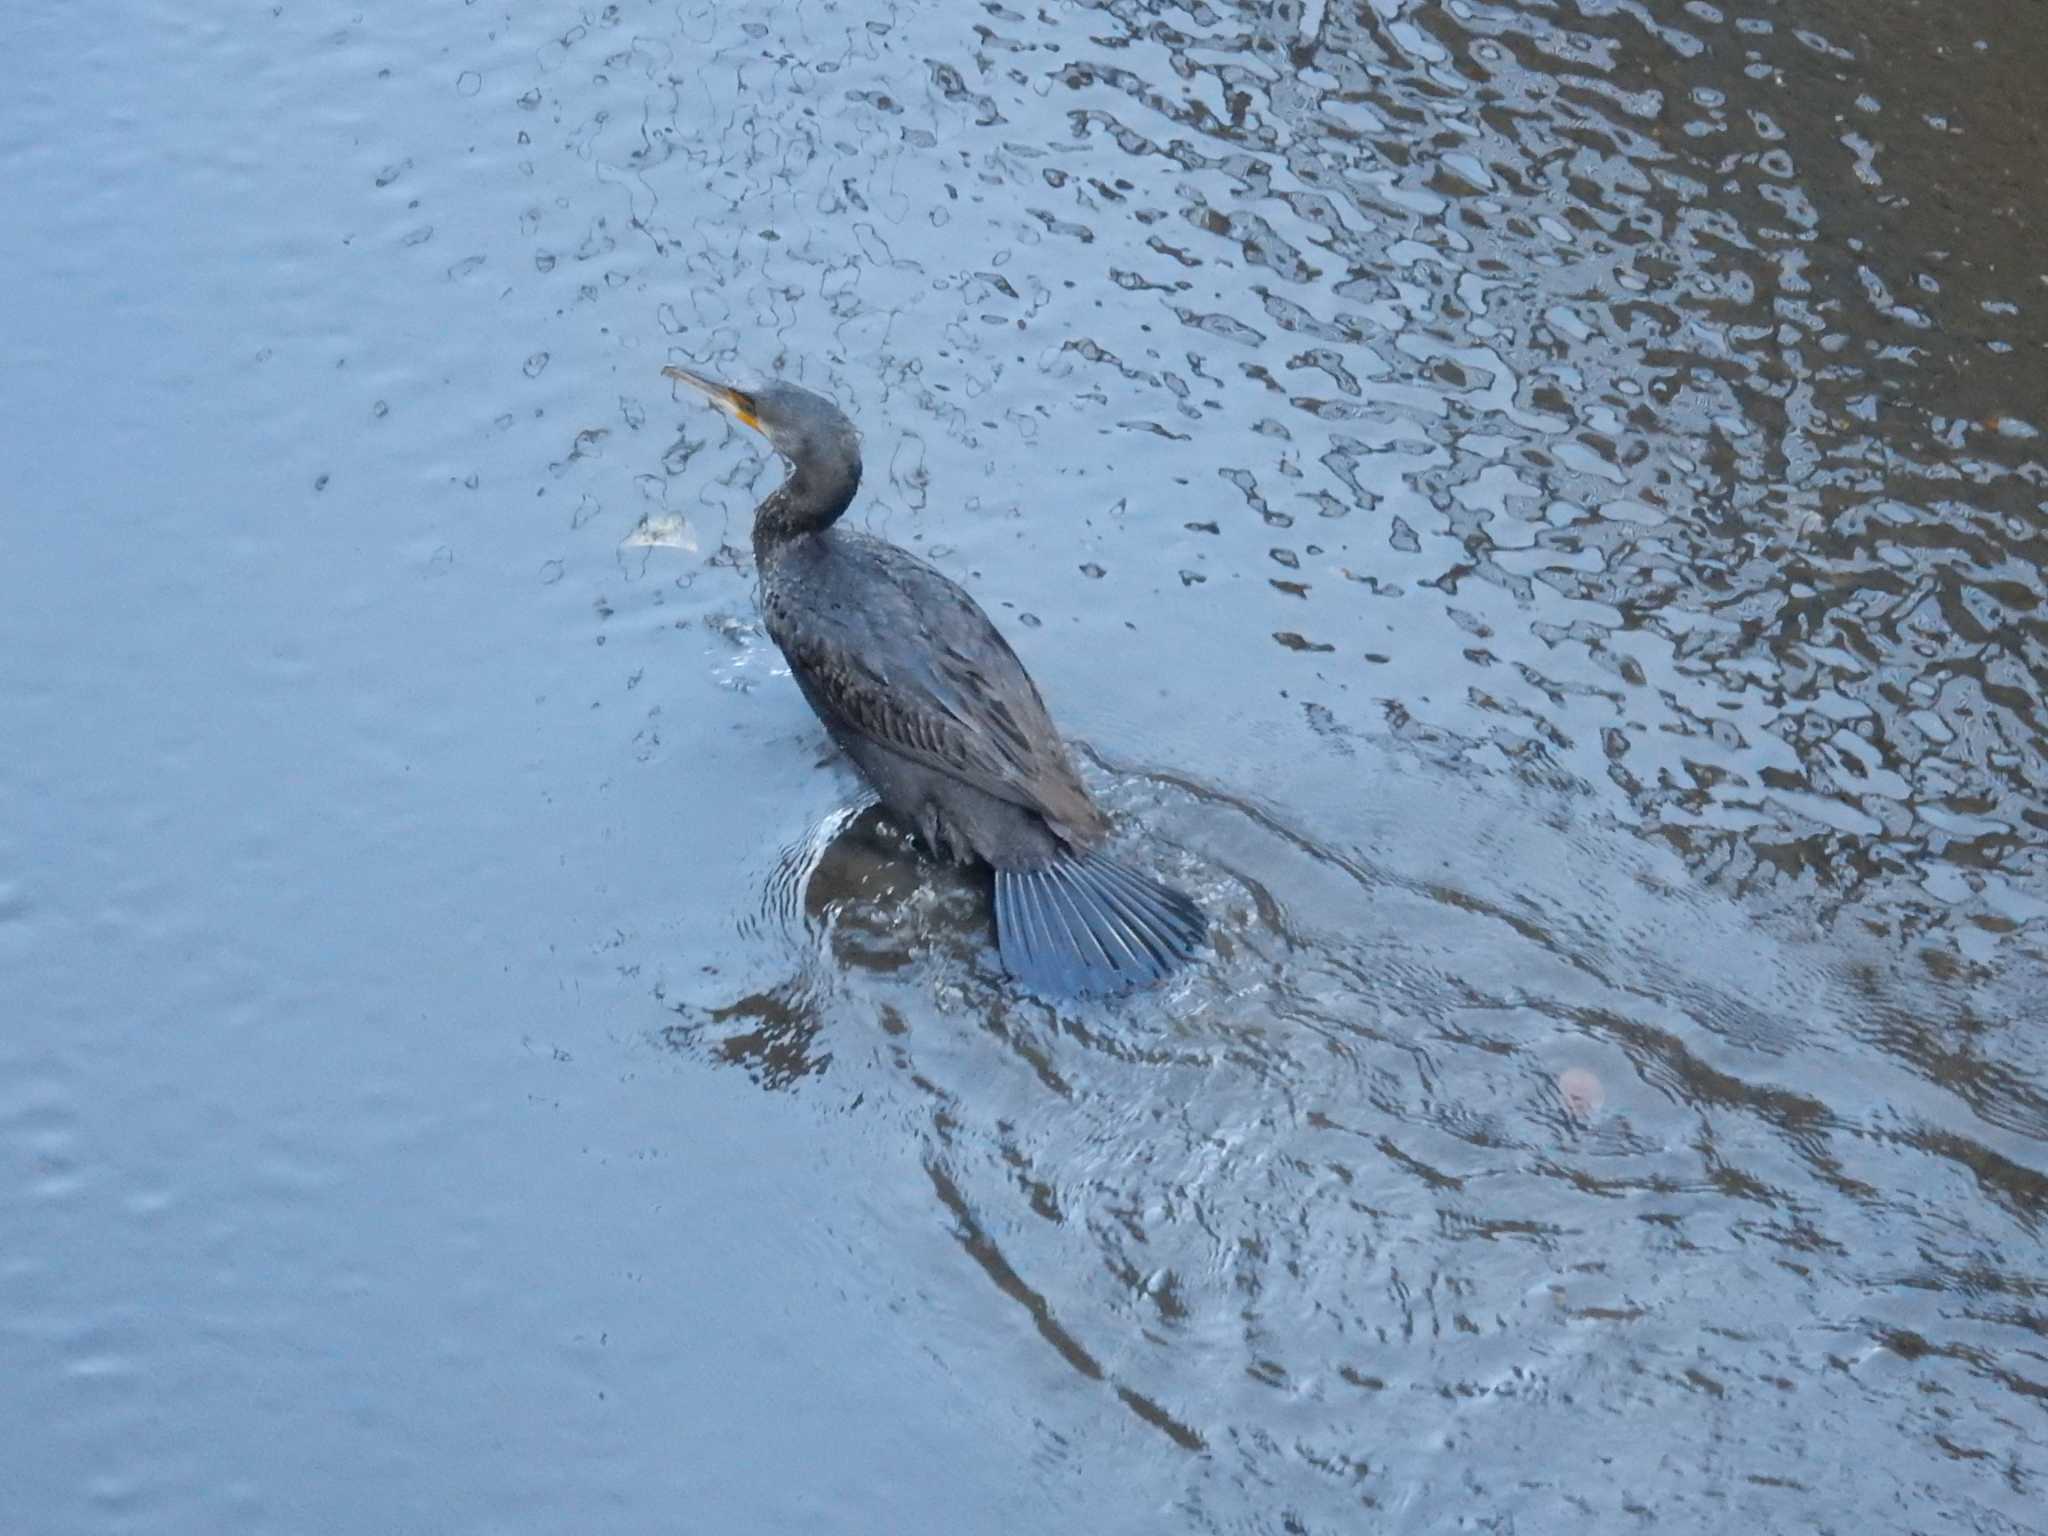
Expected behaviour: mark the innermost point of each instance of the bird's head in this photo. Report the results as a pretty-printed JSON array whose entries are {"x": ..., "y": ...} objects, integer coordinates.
[{"x": 805, "y": 428}]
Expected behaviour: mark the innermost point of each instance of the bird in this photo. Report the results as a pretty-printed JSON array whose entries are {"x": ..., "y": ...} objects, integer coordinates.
[{"x": 917, "y": 686}]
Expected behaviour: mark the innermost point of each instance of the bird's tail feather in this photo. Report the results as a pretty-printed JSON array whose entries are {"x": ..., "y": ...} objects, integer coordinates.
[{"x": 1086, "y": 923}]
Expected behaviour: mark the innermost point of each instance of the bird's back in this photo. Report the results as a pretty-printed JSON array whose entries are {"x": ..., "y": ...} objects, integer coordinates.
[{"x": 894, "y": 652}]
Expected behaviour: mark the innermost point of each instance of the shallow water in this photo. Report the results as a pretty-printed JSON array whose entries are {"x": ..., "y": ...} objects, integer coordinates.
[{"x": 1535, "y": 515}]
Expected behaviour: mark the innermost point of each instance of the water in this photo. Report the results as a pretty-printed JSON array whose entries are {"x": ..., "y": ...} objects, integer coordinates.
[{"x": 1535, "y": 515}]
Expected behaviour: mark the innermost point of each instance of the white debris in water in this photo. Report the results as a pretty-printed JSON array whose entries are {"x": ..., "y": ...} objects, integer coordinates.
[{"x": 663, "y": 531}]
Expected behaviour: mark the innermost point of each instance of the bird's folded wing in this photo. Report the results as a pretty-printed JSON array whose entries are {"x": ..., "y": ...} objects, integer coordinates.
[{"x": 947, "y": 712}]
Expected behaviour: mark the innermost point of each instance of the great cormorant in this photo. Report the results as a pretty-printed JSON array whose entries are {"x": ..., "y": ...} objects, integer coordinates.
[{"x": 913, "y": 681}]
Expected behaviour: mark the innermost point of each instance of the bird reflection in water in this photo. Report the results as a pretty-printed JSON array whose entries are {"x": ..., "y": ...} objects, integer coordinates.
[{"x": 852, "y": 890}]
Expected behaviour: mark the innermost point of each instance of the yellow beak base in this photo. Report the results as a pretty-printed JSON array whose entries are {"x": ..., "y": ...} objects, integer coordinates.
[{"x": 733, "y": 402}]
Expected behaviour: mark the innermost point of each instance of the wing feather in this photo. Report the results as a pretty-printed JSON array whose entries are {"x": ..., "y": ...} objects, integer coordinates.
[{"x": 951, "y": 695}]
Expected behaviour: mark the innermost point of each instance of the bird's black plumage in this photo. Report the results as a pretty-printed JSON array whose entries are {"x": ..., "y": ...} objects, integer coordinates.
[{"x": 928, "y": 699}]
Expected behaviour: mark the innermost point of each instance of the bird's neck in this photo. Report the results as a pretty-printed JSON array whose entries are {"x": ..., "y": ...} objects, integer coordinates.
[{"x": 809, "y": 501}]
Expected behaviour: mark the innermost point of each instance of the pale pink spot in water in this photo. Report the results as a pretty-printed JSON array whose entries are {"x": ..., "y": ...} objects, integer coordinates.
[{"x": 1583, "y": 1093}]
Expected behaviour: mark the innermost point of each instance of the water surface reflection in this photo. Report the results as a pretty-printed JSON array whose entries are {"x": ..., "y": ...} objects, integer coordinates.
[
  {"x": 1580, "y": 473},
  {"x": 1536, "y": 513}
]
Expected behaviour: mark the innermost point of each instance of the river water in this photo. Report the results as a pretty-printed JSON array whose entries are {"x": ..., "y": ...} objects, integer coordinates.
[{"x": 1536, "y": 514}]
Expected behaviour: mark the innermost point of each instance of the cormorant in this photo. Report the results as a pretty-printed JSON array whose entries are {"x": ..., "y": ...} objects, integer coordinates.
[{"x": 915, "y": 684}]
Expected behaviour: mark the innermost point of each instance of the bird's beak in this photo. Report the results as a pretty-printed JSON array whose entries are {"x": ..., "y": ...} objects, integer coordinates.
[{"x": 734, "y": 402}]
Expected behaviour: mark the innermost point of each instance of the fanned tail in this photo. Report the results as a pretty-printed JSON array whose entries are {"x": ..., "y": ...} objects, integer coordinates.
[{"x": 1086, "y": 923}]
